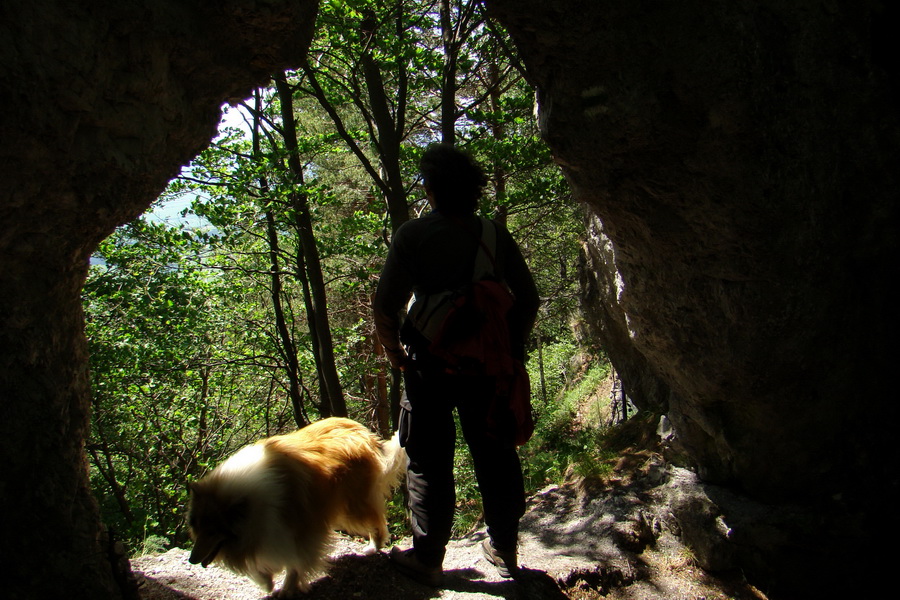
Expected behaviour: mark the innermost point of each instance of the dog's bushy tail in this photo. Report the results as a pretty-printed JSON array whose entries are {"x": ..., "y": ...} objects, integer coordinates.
[{"x": 393, "y": 460}]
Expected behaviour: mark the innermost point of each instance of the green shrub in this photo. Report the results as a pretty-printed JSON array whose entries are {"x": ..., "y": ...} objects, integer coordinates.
[
  {"x": 153, "y": 544},
  {"x": 562, "y": 442}
]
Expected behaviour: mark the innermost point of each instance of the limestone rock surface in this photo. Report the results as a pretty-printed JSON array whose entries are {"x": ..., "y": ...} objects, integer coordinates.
[{"x": 738, "y": 164}]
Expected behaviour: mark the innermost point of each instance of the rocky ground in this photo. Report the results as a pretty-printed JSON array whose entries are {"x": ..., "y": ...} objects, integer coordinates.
[{"x": 617, "y": 538}]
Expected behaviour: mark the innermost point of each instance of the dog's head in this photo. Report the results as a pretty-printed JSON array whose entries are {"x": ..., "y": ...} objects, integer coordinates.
[{"x": 214, "y": 522}]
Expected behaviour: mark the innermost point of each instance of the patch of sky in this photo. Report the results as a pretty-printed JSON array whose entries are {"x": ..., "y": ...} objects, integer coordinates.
[{"x": 174, "y": 210}]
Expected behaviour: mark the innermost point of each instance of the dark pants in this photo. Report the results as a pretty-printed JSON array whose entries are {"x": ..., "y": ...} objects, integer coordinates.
[{"x": 428, "y": 432}]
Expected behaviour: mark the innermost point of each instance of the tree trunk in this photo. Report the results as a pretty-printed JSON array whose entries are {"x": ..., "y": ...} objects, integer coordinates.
[
  {"x": 330, "y": 382},
  {"x": 381, "y": 400},
  {"x": 288, "y": 347},
  {"x": 448, "y": 75},
  {"x": 499, "y": 133},
  {"x": 543, "y": 377},
  {"x": 388, "y": 143},
  {"x": 103, "y": 462},
  {"x": 202, "y": 422}
]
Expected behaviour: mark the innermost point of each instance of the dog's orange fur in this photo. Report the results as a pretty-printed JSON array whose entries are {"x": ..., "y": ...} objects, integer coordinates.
[{"x": 273, "y": 506}]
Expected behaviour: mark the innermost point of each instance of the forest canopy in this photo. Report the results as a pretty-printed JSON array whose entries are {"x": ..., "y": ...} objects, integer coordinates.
[{"x": 239, "y": 307}]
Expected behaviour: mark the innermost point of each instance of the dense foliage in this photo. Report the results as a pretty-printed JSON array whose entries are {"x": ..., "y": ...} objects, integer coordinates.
[{"x": 246, "y": 312}]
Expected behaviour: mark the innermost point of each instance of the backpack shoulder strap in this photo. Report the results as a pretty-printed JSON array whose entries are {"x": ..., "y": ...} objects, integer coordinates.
[{"x": 486, "y": 256}]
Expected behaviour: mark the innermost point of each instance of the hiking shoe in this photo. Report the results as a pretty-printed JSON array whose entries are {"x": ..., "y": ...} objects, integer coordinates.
[
  {"x": 409, "y": 564},
  {"x": 504, "y": 560}
]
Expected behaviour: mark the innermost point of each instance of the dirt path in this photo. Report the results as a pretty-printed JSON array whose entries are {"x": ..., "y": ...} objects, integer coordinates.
[{"x": 615, "y": 539}]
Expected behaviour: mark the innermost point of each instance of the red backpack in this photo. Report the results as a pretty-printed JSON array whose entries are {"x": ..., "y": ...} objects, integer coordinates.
[{"x": 468, "y": 329}]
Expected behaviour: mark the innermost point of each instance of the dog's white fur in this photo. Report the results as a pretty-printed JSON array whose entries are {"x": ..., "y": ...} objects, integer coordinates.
[{"x": 273, "y": 506}]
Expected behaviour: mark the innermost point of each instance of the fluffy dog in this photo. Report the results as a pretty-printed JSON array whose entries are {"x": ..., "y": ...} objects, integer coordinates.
[{"x": 274, "y": 505}]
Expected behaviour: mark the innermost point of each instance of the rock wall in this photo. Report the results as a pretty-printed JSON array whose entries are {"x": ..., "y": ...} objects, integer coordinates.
[
  {"x": 103, "y": 103},
  {"x": 739, "y": 163}
]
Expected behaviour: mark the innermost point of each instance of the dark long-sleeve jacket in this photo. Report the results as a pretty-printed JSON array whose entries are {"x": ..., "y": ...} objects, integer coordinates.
[{"x": 436, "y": 253}]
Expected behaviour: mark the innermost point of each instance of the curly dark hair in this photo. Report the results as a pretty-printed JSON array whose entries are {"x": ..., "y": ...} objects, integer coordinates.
[{"x": 454, "y": 179}]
